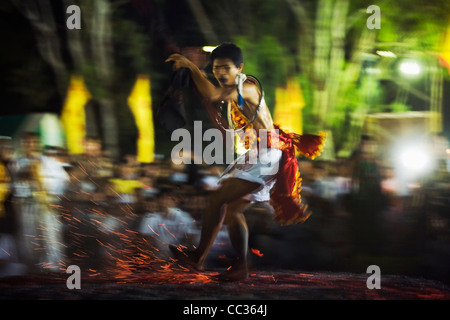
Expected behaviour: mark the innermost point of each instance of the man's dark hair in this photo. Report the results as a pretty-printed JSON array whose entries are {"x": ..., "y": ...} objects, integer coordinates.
[{"x": 228, "y": 51}]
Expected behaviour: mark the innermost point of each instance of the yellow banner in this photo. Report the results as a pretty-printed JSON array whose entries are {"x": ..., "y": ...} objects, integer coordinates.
[
  {"x": 73, "y": 114},
  {"x": 289, "y": 103},
  {"x": 140, "y": 103}
]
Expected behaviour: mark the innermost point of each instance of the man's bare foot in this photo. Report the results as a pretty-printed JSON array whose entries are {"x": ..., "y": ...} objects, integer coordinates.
[
  {"x": 186, "y": 257},
  {"x": 235, "y": 273}
]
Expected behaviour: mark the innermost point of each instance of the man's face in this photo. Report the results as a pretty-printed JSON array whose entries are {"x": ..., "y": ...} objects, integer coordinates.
[
  {"x": 31, "y": 145},
  {"x": 225, "y": 71},
  {"x": 93, "y": 148}
]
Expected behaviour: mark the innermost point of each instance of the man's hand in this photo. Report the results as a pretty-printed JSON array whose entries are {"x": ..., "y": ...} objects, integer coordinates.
[
  {"x": 180, "y": 61},
  {"x": 206, "y": 89}
]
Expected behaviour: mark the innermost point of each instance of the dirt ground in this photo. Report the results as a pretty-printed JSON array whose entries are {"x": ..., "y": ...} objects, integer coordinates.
[{"x": 182, "y": 284}]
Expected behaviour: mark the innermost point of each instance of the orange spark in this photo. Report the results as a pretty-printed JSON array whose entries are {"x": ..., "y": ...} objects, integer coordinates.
[
  {"x": 256, "y": 252},
  {"x": 170, "y": 232}
]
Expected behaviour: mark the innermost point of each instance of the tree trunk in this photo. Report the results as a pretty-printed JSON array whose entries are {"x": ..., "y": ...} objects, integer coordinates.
[
  {"x": 40, "y": 15},
  {"x": 203, "y": 21},
  {"x": 102, "y": 51},
  {"x": 109, "y": 127}
]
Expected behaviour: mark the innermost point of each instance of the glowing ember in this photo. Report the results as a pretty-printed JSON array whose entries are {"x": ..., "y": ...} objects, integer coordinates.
[{"x": 257, "y": 252}]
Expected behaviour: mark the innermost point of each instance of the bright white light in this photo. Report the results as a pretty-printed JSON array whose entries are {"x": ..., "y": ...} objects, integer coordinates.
[
  {"x": 386, "y": 54},
  {"x": 209, "y": 48},
  {"x": 415, "y": 160},
  {"x": 411, "y": 68}
]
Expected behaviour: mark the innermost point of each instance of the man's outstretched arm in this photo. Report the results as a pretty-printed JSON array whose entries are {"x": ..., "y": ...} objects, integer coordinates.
[{"x": 206, "y": 89}]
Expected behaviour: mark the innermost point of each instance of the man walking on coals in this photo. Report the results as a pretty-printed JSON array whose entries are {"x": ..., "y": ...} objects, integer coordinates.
[{"x": 273, "y": 176}]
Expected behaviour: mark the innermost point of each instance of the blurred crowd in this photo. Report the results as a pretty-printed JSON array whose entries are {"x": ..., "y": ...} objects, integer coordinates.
[{"x": 58, "y": 209}]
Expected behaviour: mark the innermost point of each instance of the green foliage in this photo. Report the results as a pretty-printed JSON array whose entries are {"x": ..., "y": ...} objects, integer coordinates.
[
  {"x": 132, "y": 45},
  {"x": 418, "y": 24},
  {"x": 399, "y": 107}
]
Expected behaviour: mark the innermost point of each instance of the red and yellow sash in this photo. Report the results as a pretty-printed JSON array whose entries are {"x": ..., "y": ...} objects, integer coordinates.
[{"x": 285, "y": 195}]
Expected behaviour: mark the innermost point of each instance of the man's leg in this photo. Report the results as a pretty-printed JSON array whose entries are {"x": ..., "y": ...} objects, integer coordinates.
[
  {"x": 238, "y": 232},
  {"x": 231, "y": 190}
]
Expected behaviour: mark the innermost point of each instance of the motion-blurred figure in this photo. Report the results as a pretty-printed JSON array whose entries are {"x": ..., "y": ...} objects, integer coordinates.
[
  {"x": 8, "y": 225},
  {"x": 165, "y": 223},
  {"x": 5, "y": 183},
  {"x": 368, "y": 201},
  {"x": 54, "y": 182},
  {"x": 26, "y": 188},
  {"x": 87, "y": 204}
]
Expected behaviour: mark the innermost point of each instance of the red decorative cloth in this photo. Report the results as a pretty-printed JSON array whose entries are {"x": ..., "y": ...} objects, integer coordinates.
[{"x": 285, "y": 196}]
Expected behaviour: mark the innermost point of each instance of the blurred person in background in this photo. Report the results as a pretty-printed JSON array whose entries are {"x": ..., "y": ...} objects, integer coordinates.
[
  {"x": 367, "y": 199},
  {"x": 90, "y": 173},
  {"x": 54, "y": 174},
  {"x": 86, "y": 196},
  {"x": 8, "y": 223},
  {"x": 165, "y": 222},
  {"x": 27, "y": 188},
  {"x": 126, "y": 183},
  {"x": 5, "y": 184},
  {"x": 54, "y": 183}
]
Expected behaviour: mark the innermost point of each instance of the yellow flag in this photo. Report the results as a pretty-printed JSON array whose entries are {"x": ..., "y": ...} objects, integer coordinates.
[
  {"x": 289, "y": 103},
  {"x": 444, "y": 55},
  {"x": 73, "y": 114},
  {"x": 140, "y": 103}
]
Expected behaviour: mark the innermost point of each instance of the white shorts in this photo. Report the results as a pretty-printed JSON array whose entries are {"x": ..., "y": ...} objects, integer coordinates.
[{"x": 261, "y": 168}]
